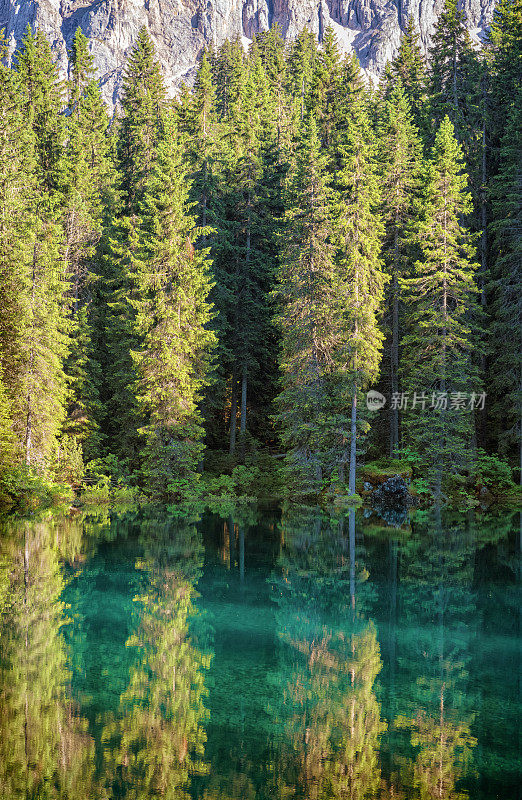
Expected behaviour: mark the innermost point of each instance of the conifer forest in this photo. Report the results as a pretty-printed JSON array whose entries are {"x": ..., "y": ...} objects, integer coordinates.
[
  {"x": 278, "y": 279},
  {"x": 261, "y": 419}
]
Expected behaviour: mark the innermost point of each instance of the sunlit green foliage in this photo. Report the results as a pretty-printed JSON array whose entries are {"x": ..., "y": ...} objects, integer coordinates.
[
  {"x": 440, "y": 298},
  {"x": 205, "y": 276}
]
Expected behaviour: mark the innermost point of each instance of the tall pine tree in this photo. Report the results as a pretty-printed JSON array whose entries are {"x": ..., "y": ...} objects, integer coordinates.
[
  {"x": 357, "y": 236},
  {"x": 437, "y": 366},
  {"x": 140, "y": 132},
  {"x": 170, "y": 299},
  {"x": 506, "y": 291},
  {"x": 310, "y": 321},
  {"x": 401, "y": 155},
  {"x": 409, "y": 66},
  {"x": 88, "y": 202},
  {"x": 45, "y": 331},
  {"x": 143, "y": 100}
]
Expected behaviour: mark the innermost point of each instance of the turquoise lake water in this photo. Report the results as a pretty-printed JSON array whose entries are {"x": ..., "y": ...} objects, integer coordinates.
[{"x": 260, "y": 655}]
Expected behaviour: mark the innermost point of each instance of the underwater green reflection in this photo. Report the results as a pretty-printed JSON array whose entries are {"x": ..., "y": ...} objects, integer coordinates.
[
  {"x": 45, "y": 749},
  {"x": 260, "y": 654},
  {"x": 102, "y": 681},
  {"x": 330, "y": 659}
]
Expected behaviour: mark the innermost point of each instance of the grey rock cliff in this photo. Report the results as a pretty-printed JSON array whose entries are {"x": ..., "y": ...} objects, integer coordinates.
[{"x": 181, "y": 28}]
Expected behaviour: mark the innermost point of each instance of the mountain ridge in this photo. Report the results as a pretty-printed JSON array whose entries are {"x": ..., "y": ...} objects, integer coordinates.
[{"x": 180, "y": 29}]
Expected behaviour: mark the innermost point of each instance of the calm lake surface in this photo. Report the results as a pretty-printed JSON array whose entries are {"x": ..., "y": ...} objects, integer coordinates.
[{"x": 263, "y": 656}]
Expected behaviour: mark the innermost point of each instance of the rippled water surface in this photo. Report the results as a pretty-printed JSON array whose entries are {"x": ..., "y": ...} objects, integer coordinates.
[{"x": 269, "y": 655}]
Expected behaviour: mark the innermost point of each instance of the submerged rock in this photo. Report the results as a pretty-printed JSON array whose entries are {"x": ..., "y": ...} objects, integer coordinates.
[
  {"x": 392, "y": 500},
  {"x": 395, "y": 489}
]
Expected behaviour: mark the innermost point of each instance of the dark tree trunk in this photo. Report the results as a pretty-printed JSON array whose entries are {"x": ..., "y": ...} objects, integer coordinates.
[
  {"x": 351, "y": 542},
  {"x": 233, "y": 415},
  {"x": 242, "y": 554},
  {"x": 353, "y": 445},
  {"x": 394, "y": 412}
]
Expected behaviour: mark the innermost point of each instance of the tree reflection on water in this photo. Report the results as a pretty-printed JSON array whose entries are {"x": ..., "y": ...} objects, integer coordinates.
[{"x": 268, "y": 656}]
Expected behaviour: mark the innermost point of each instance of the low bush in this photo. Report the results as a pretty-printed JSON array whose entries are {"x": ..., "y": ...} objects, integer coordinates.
[
  {"x": 260, "y": 477},
  {"x": 493, "y": 473},
  {"x": 23, "y": 490},
  {"x": 376, "y": 472}
]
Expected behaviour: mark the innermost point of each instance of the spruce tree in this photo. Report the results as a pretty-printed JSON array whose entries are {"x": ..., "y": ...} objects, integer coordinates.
[
  {"x": 309, "y": 321},
  {"x": 89, "y": 134},
  {"x": 45, "y": 344},
  {"x": 401, "y": 159},
  {"x": 143, "y": 100},
  {"x": 244, "y": 251},
  {"x": 271, "y": 47},
  {"x": 359, "y": 276},
  {"x": 80, "y": 68},
  {"x": 170, "y": 300},
  {"x": 43, "y": 101},
  {"x": 202, "y": 131},
  {"x": 118, "y": 339},
  {"x": 409, "y": 66},
  {"x": 454, "y": 75},
  {"x": 458, "y": 87},
  {"x": 17, "y": 224},
  {"x": 326, "y": 86},
  {"x": 504, "y": 48},
  {"x": 140, "y": 132},
  {"x": 252, "y": 122},
  {"x": 438, "y": 372},
  {"x": 44, "y": 340},
  {"x": 228, "y": 68},
  {"x": 301, "y": 60},
  {"x": 274, "y": 140},
  {"x": 88, "y": 196},
  {"x": 506, "y": 292}
]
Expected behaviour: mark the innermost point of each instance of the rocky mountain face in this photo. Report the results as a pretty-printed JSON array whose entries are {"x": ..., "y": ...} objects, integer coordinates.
[{"x": 181, "y": 28}]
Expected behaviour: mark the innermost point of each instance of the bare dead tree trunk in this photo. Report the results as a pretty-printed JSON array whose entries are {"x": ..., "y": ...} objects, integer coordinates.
[
  {"x": 244, "y": 384},
  {"x": 233, "y": 415},
  {"x": 242, "y": 554},
  {"x": 29, "y": 397},
  {"x": 353, "y": 444},
  {"x": 244, "y": 373},
  {"x": 394, "y": 420},
  {"x": 520, "y": 406},
  {"x": 232, "y": 541},
  {"x": 483, "y": 263},
  {"x": 351, "y": 542}
]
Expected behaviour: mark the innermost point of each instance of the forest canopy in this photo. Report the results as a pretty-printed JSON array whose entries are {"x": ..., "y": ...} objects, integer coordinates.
[{"x": 213, "y": 283}]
